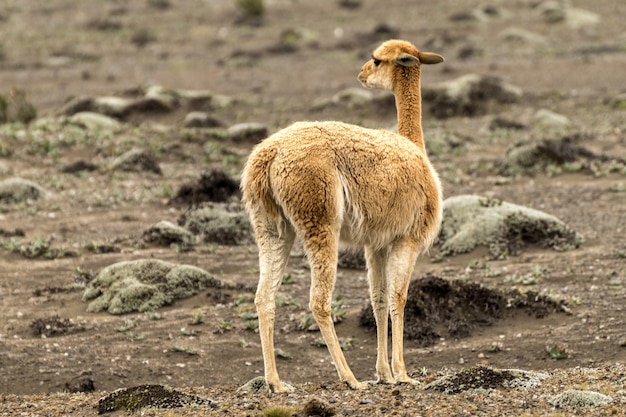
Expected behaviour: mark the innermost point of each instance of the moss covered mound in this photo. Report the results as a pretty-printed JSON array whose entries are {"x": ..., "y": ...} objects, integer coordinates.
[
  {"x": 218, "y": 223},
  {"x": 16, "y": 190},
  {"x": 454, "y": 309},
  {"x": 577, "y": 398},
  {"x": 156, "y": 396},
  {"x": 483, "y": 377},
  {"x": 144, "y": 285},
  {"x": 470, "y": 221}
]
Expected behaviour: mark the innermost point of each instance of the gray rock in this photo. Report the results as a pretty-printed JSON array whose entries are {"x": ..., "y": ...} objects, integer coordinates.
[
  {"x": 196, "y": 99},
  {"x": 357, "y": 98},
  {"x": 76, "y": 105},
  {"x": 201, "y": 119},
  {"x": 522, "y": 36},
  {"x": 113, "y": 106},
  {"x": 167, "y": 233},
  {"x": 550, "y": 119},
  {"x": 470, "y": 221},
  {"x": 248, "y": 132},
  {"x": 5, "y": 169},
  {"x": 577, "y": 398},
  {"x": 136, "y": 160},
  {"x": 16, "y": 190},
  {"x": 561, "y": 12},
  {"x": 468, "y": 95},
  {"x": 94, "y": 121}
]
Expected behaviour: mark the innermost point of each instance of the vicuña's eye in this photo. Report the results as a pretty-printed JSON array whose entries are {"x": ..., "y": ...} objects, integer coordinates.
[{"x": 376, "y": 61}]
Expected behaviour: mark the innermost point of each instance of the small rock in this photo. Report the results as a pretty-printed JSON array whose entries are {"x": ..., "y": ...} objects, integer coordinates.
[
  {"x": 576, "y": 398},
  {"x": 551, "y": 119},
  {"x": 77, "y": 105},
  {"x": 79, "y": 166},
  {"x": 317, "y": 407},
  {"x": 502, "y": 123},
  {"x": 522, "y": 36},
  {"x": 5, "y": 169},
  {"x": 350, "y": 4},
  {"x": 248, "y": 132},
  {"x": 196, "y": 99},
  {"x": 136, "y": 160},
  {"x": 350, "y": 259},
  {"x": 16, "y": 190},
  {"x": 94, "y": 121},
  {"x": 166, "y": 233},
  {"x": 80, "y": 383},
  {"x": 201, "y": 119},
  {"x": 256, "y": 384},
  {"x": 118, "y": 107},
  {"x": 152, "y": 104}
]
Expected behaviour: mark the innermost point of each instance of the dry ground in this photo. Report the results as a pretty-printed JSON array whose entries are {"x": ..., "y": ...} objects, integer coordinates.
[{"x": 65, "y": 49}]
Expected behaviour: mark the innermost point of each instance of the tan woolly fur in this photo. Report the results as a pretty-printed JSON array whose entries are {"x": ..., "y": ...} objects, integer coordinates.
[{"x": 332, "y": 183}]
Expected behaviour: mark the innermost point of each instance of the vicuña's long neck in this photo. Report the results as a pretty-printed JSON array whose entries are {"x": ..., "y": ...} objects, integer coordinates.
[{"x": 409, "y": 105}]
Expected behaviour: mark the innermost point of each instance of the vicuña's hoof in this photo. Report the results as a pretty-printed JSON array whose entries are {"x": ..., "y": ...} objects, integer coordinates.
[
  {"x": 356, "y": 385},
  {"x": 280, "y": 388},
  {"x": 407, "y": 380}
]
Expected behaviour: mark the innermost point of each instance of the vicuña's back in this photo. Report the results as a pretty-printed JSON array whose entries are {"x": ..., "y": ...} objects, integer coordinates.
[
  {"x": 328, "y": 182},
  {"x": 376, "y": 184}
]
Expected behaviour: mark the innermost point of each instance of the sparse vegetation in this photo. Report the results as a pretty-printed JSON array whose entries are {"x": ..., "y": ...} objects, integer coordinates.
[
  {"x": 280, "y": 411},
  {"x": 91, "y": 91}
]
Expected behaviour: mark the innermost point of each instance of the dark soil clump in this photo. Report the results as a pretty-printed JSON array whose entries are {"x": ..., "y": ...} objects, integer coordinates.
[
  {"x": 212, "y": 186},
  {"x": 440, "y": 308},
  {"x": 54, "y": 326},
  {"x": 135, "y": 398},
  {"x": 480, "y": 377},
  {"x": 79, "y": 166}
]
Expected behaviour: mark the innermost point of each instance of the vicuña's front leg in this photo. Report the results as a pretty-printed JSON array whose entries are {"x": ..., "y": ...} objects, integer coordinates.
[{"x": 401, "y": 262}]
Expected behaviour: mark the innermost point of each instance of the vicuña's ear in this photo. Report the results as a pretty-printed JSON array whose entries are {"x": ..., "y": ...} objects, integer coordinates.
[
  {"x": 430, "y": 58},
  {"x": 406, "y": 60}
]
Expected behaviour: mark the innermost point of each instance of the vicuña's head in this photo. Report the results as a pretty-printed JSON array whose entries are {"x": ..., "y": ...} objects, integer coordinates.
[{"x": 393, "y": 60}]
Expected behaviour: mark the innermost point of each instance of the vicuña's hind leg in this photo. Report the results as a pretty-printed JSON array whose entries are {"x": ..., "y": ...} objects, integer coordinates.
[
  {"x": 377, "y": 277},
  {"x": 400, "y": 266},
  {"x": 322, "y": 247},
  {"x": 274, "y": 251}
]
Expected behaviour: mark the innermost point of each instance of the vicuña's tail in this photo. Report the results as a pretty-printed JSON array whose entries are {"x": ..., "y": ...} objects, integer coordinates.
[{"x": 255, "y": 182}]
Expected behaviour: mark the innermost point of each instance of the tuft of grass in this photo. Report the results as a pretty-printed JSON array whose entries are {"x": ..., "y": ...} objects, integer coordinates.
[
  {"x": 40, "y": 247},
  {"x": 223, "y": 326},
  {"x": 280, "y": 411},
  {"x": 337, "y": 310},
  {"x": 182, "y": 349},
  {"x": 126, "y": 326},
  {"x": 557, "y": 352},
  {"x": 197, "y": 317},
  {"x": 251, "y": 8}
]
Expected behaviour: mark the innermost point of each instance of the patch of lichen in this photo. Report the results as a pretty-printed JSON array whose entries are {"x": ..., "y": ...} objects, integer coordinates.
[
  {"x": 144, "y": 285},
  {"x": 470, "y": 221}
]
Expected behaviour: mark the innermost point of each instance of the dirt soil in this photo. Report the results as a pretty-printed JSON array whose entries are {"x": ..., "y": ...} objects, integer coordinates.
[{"x": 57, "y": 359}]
